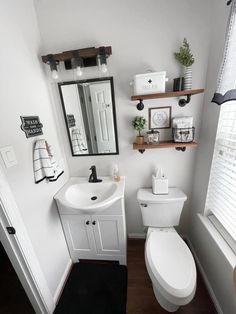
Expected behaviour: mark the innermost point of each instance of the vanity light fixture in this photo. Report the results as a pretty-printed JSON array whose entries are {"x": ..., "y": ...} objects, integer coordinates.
[
  {"x": 103, "y": 59},
  {"x": 76, "y": 59},
  {"x": 53, "y": 65},
  {"x": 77, "y": 63}
]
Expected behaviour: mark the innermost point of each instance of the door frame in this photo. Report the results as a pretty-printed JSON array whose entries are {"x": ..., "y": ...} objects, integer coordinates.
[{"x": 21, "y": 253}]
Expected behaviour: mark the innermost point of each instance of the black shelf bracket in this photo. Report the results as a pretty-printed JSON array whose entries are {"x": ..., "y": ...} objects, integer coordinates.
[
  {"x": 184, "y": 102},
  {"x": 182, "y": 149},
  {"x": 140, "y": 105}
]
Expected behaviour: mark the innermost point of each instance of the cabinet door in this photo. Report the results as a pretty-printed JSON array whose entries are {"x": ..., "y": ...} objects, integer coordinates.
[
  {"x": 109, "y": 234},
  {"x": 79, "y": 236}
]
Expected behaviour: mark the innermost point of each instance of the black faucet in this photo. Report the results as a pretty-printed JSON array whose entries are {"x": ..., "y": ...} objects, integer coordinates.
[{"x": 93, "y": 176}]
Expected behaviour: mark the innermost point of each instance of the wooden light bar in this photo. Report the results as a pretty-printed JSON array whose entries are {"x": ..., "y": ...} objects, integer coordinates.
[{"x": 89, "y": 55}]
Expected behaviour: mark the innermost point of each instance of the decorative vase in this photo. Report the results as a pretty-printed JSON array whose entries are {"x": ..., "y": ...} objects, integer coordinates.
[
  {"x": 139, "y": 140},
  {"x": 188, "y": 78}
]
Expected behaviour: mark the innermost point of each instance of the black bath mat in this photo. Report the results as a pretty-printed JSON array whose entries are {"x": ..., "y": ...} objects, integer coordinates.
[{"x": 94, "y": 289}]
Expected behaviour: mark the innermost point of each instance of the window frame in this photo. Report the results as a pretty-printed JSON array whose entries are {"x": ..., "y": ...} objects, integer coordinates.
[{"x": 222, "y": 231}]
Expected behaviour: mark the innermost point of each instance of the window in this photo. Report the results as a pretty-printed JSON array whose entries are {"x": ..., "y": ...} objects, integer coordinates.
[{"x": 221, "y": 195}]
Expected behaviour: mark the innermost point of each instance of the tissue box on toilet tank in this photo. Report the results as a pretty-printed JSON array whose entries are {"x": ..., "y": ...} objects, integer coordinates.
[
  {"x": 150, "y": 83},
  {"x": 159, "y": 185}
]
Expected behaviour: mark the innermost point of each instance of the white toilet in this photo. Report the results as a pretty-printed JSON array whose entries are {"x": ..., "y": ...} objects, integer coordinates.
[{"x": 169, "y": 261}]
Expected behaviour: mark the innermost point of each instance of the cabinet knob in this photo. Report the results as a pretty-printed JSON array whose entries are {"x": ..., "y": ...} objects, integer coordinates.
[
  {"x": 94, "y": 222},
  {"x": 87, "y": 222}
]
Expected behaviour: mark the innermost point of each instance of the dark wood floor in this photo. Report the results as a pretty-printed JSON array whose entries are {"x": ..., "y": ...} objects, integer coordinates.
[
  {"x": 141, "y": 299},
  {"x": 13, "y": 299}
]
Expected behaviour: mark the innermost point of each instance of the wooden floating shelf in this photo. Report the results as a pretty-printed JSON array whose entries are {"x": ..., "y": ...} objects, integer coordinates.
[
  {"x": 169, "y": 94},
  {"x": 182, "y": 93},
  {"x": 164, "y": 144}
]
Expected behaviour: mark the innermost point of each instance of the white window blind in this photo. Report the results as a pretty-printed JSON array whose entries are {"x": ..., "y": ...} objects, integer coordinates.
[{"x": 221, "y": 195}]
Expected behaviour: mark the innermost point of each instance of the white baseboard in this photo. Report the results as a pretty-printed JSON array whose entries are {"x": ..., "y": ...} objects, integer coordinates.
[
  {"x": 204, "y": 276},
  {"x": 141, "y": 235},
  {"x": 61, "y": 284}
]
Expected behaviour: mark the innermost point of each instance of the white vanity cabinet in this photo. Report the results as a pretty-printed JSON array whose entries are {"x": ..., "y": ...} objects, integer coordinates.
[
  {"x": 93, "y": 219},
  {"x": 100, "y": 237}
]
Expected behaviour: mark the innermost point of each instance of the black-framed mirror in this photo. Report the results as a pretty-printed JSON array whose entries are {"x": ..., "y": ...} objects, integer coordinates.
[{"x": 90, "y": 116}]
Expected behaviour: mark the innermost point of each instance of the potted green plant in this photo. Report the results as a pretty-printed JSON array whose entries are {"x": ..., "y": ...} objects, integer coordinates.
[
  {"x": 139, "y": 124},
  {"x": 185, "y": 57}
]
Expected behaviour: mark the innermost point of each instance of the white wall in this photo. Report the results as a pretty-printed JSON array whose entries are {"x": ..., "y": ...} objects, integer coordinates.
[
  {"x": 143, "y": 35},
  {"x": 23, "y": 91},
  {"x": 217, "y": 267}
]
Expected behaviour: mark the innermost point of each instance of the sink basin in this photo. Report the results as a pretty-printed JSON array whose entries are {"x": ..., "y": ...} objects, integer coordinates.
[
  {"x": 86, "y": 195},
  {"x": 80, "y": 195}
]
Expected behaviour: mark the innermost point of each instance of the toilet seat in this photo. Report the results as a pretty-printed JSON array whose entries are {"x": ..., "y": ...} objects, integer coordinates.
[{"x": 170, "y": 265}]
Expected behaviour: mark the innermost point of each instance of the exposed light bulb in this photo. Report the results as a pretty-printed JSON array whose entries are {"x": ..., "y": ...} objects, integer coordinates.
[
  {"x": 55, "y": 74},
  {"x": 78, "y": 71},
  {"x": 104, "y": 68}
]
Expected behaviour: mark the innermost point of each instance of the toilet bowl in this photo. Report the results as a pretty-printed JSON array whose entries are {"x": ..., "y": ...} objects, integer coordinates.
[
  {"x": 169, "y": 261},
  {"x": 171, "y": 267}
]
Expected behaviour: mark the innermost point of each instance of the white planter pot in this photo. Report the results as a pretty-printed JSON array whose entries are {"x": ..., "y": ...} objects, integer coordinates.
[{"x": 188, "y": 78}]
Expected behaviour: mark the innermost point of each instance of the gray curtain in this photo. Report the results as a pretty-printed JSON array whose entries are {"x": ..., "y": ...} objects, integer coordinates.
[{"x": 226, "y": 87}]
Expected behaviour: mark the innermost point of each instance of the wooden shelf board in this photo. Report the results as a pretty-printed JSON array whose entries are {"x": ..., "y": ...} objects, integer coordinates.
[
  {"x": 84, "y": 53},
  {"x": 164, "y": 144},
  {"x": 168, "y": 94}
]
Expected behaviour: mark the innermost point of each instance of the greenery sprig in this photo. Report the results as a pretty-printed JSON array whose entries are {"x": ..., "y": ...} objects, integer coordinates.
[
  {"x": 139, "y": 124},
  {"x": 184, "y": 56}
]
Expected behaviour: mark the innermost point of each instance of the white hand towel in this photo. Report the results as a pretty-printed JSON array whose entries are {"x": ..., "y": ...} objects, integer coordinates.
[
  {"x": 78, "y": 142},
  {"x": 45, "y": 165}
]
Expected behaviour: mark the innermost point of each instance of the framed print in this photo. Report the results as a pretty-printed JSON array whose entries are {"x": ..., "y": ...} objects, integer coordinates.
[{"x": 159, "y": 118}]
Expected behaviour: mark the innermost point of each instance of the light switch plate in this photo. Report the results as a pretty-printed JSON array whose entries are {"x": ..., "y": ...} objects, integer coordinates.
[{"x": 8, "y": 156}]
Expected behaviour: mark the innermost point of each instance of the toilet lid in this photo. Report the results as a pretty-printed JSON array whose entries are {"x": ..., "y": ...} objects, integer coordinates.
[
  {"x": 171, "y": 262},
  {"x": 174, "y": 195}
]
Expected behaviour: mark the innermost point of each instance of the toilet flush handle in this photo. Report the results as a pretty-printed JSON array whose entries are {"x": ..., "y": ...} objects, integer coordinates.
[{"x": 144, "y": 205}]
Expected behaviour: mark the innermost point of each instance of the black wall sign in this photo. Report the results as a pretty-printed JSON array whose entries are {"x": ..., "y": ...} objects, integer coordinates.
[
  {"x": 70, "y": 120},
  {"x": 31, "y": 125}
]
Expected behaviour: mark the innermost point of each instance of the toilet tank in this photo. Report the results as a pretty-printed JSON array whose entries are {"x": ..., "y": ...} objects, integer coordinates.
[{"x": 161, "y": 210}]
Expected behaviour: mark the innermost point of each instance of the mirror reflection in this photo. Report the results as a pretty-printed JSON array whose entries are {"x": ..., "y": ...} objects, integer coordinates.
[{"x": 89, "y": 110}]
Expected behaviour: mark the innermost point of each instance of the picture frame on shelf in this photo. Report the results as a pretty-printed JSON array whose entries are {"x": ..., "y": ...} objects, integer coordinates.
[{"x": 159, "y": 117}]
